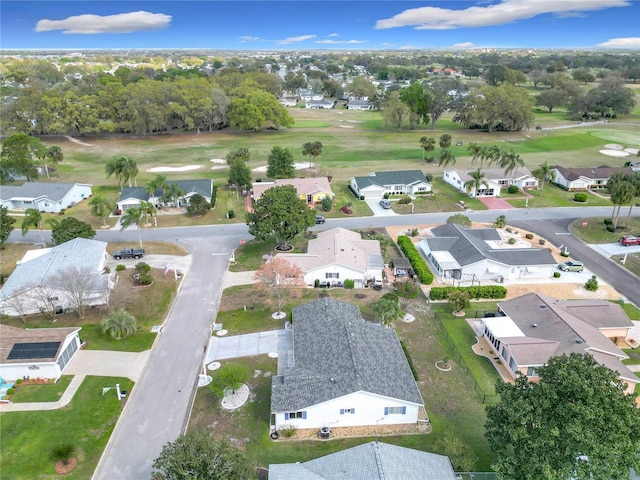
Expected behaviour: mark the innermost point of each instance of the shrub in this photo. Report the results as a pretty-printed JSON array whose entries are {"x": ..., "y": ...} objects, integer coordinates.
[
  {"x": 608, "y": 221},
  {"x": 417, "y": 262},
  {"x": 390, "y": 296},
  {"x": 610, "y": 229},
  {"x": 144, "y": 279},
  {"x": 508, "y": 229},
  {"x": 459, "y": 219},
  {"x": 231, "y": 214},
  {"x": 214, "y": 194},
  {"x": 142, "y": 267},
  {"x": 326, "y": 203},
  {"x": 349, "y": 284},
  {"x": 405, "y": 200},
  {"x": 556, "y": 274},
  {"x": 513, "y": 189},
  {"x": 542, "y": 241},
  {"x": 361, "y": 197},
  {"x": 429, "y": 177},
  {"x": 500, "y": 222},
  {"x": 386, "y": 196},
  {"x": 564, "y": 253},
  {"x": 580, "y": 197},
  {"x": 19, "y": 381},
  {"x": 511, "y": 241},
  {"x": 409, "y": 360},
  {"x": 407, "y": 289},
  {"x": 414, "y": 232},
  {"x": 529, "y": 236},
  {"x": 475, "y": 292},
  {"x": 459, "y": 300},
  {"x": 316, "y": 283},
  {"x": 288, "y": 431},
  {"x": 120, "y": 268},
  {"x": 61, "y": 212},
  {"x": 592, "y": 284},
  {"x": 10, "y": 391}
]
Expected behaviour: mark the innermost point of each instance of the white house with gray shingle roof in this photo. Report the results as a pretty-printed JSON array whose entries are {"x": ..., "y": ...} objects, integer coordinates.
[
  {"x": 462, "y": 253},
  {"x": 496, "y": 180},
  {"x": 336, "y": 255},
  {"x": 376, "y": 184},
  {"x": 45, "y": 197},
  {"x": 343, "y": 372},
  {"x": 536, "y": 327},
  {"x": 55, "y": 280},
  {"x": 369, "y": 461},
  {"x": 132, "y": 196}
]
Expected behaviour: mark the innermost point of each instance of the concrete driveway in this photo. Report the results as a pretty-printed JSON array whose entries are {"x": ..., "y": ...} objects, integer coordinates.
[
  {"x": 378, "y": 211},
  {"x": 609, "y": 249},
  {"x": 277, "y": 341},
  {"x": 174, "y": 262},
  {"x": 105, "y": 363},
  {"x": 494, "y": 203}
]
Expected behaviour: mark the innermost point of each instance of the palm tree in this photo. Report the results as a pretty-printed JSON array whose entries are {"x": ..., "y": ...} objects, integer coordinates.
[
  {"x": 148, "y": 209},
  {"x": 612, "y": 185},
  {"x": 101, "y": 206},
  {"x": 477, "y": 180},
  {"x": 32, "y": 219},
  {"x": 446, "y": 158},
  {"x": 510, "y": 161},
  {"x": 387, "y": 311},
  {"x": 475, "y": 151},
  {"x": 158, "y": 183},
  {"x": 543, "y": 173},
  {"x": 428, "y": 144},
  {"x": 172, "y": 193},
  {"x": 129, "y": 170},
  {"x": 133, "y": 216},
  {"x": 622, "y": 192},
  {"x": 493, "y": 154},
  {"x": 114, "y": 166},
  {"x": 445, "y": 141},
  {"x": 119, "y": 324},
  {"x": 54, "y": 153},
  {"x": 635, "y": 181},
  {"x": 63, "y": 452}
]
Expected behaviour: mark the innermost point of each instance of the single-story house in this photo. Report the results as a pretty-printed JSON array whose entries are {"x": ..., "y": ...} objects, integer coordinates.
[
  {"x": 446, "y": 71},
  {"x": 336, "y": 255},
  {"x": 310, "y": 95},
  {"x": 344, "y": 372},
  {"x": 36, "y": 352},
  {"x": 312, "y": 189},
  {"x": 57, "y": 279},
  {"x": 288, "y": 101},
  {"x": 132, "y": 196},
  {"x": 536, "y": 327},
  {"x": 469, "y": 254},
  {"x": 318, "y": 104},
  {"x": 360, "y": 105},
  {"x": 496, "y": 180},
  {"x": 377, "y": 184},
  {"x": 576, "y": 179},
  {"x": 45, "y": 197},
  {"x": 369, "y": 461}
]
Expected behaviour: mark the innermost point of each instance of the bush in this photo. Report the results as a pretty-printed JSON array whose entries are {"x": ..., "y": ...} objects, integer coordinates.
[
  {"x": 409, "y": 361},
  {"x": 459, "y": 300},
  {"x": 608, "y": 221},
  {"x": 231, "y": 214},
  {"x": 475, "y": 292},
  {"x": 508, "y": 229},
  {"x": 511, "y": 241},
  {"x": 592, "y": 284},
  {"x": 316, "y": 283},
  {"x": 610, "y": 229},
  {"x": 417, "y": 262},
  {"x": 361, "y": 197},
  {"x": 326, "y": 203},
  {"x": 414, "y": 232},
  {"x": 500, "y": 222},
  {"x": 390, "y": 296},
  {"x": 349, "y": 284},
  {"x": 542, "y": 241},
  {"x": 10, "y": 391},
  {"x": 404, "y": 200},
  {"x": 407, "y": 289},
  {"x": 564, "y": 253},
  {"x": 142, "y": 267},
  {"x": 580, "y": 197},
  {"x": 144, "y": 279},
  {"x": 513, "y": 189},
  {"x": 429, "y": 177},
  {"x": 529, "y": 236},
  {"x": 556, "y": 274},
  {"x": 459, "y": 219},
  {"x": 386, "y": 196},
  {"x": 120, "y": 268},
  {"x": 288, "y": 431},
  {"x": 19, "y": 381}
]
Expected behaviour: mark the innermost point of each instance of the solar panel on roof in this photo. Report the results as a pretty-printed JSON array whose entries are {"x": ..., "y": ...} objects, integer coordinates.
[{"x": 21, "y": 351}]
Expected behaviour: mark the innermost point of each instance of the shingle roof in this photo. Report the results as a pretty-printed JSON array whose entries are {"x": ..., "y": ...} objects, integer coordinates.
[
  {"x": 80, "y": 254},
  {"x": 139, "y": 193},
  {"x": 399, "y": 177},
  {"x": 9, "y": 336},
  {"x": 337, "y": 353},
  {"x": 53, "y": 191},
  {"x": 202, "y": 186},
  {"x": 369, "y": 461},
  {"x": 469, "y": 245},
  {"x": 601, "y": 172},
  {"x": 304, "y": 186}
]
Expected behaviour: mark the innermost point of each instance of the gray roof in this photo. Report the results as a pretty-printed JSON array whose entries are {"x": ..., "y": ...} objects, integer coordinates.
[
  {"x": 202, "y": 186},
  {"x": 602, "y": 172},
  {"x": 369, "y": 461},
  {"x": 337, "y": 353},
  {"x": 81, "y": 254},
  {"x": 53, "y": 191},
  {"x": 469, "y": 246},
  {"x": 399, "y": 177}
]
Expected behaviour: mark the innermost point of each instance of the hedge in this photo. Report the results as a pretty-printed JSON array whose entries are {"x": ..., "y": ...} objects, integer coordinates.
[
  {"x": 488, "y": 291},
  {"x": 406, "y": 354},
  {"x": 417, "y": 262}
]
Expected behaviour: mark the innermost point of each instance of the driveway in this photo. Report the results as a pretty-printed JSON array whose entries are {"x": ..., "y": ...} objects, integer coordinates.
[
  {"x": 378, "y": 211},
  {"x": 610, "y": 249},
  {"x": 180, "y": 263},
  {"x": 494, "y": 203},
  {"x": 105, "y": 363}
]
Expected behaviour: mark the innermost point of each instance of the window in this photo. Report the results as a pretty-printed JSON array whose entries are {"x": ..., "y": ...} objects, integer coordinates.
[
  {"x": 293, "y": 415},
  {"x": 531, "y": 372},
  {"x": 395, "y": 410},
  {"x": 332, "y": 275},
  {"x": 347, "y": 410}
]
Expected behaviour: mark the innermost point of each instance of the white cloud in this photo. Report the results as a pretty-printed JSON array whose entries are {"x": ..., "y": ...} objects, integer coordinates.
[
  {"x": 463, "y": 45},
  {"x": 249, "y": 38},
  {"x": 333, "y": 35},
  {"x": 629, "y": 42},
  {"x": 300, "y": 38},
  {"x": 506, "y": 11},
  {"x": 341, "y": 42},
  {"x": 120, "y": 23}
]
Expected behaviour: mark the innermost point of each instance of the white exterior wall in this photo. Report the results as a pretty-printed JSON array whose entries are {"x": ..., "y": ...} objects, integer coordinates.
[
  {"x": 451, "y": 177},
  {"x": 369, "y": 410},
  {"x": 128, "y": 203},
  {"x": 416, "y": 188},
  {"x": 13, "y": 371},
  {"x": 79, "y": 192},
  {"x": 370, "y": 191},
  {"x": 343, "y": 272},
  {"x": 526, "y": 183}
]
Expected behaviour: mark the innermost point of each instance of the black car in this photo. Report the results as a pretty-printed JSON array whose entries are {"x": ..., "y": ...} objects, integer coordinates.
[{"x": 320, "y": 219}]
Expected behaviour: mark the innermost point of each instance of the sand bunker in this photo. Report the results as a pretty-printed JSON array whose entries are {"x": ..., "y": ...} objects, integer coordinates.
[
  {"x": 632, "y": 151},
  {"x": 613, "y": 146},
  {"x": 174, "y": 169},
  {"x": 346, "y": 126},
  {"x": 297, "y": 166},
  {"x": 615, "y": 153},
  {"x": 218, "y": 167},
  {"x": 218, "y": 160}
]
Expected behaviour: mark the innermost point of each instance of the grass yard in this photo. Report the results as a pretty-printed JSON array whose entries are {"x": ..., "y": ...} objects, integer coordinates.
[
  {"x": 87, "y": 423},
  {"x": 595, "y": 231},
  {"x": 43, "y": 392},
  {"x": 553, "y": 196},
  {"x": 633, "y": 264},
  {"x": 148, "y": 304},
  {"x": 444, "y": 199},
  {"x": 151, "y": 248}
]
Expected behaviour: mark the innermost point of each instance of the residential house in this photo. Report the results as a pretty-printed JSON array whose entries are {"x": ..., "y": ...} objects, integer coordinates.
[
  {"x": 536, "y": 327},
  {"x": 36, "y": 352},
  {"x": 42, "y": 196},
  {"x": 288, "y": 101},
  {"x": 56, "y": 279},
  {"x": 377, "y": 184},
  {"x": 336, "y": 255},
  {"x": 312, "y": 189},
  {"x": 446, "y": 71},
  {"x": 369, "y": 461},
  {"x": 319, "y": 104},
  {"x": 577, "y": 179},
  {"x": 354, "y": 104},
  {"x": 132, "y": 196},
  {"x": 309, "y": 95},
  {"x": 496, "y": 180},
  {"x": 469, "y": 254},
  {"x": 344, "y": 372}
]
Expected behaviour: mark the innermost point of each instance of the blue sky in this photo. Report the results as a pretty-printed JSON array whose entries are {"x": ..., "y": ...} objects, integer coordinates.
[{"x": 304, "y": 25}]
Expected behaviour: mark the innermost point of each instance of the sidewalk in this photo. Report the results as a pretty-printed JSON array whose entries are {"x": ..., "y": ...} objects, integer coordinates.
[{"x": 31, "y": 407}]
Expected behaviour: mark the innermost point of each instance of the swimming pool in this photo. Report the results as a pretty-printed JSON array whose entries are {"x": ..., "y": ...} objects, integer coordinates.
[{"x": 4, "y": 387}]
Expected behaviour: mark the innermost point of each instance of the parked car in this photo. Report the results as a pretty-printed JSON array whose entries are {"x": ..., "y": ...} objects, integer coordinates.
[
  {"x": 320, "y": 219},
  {"x": 629, "y": 240},
  {"x": 385, "y": 204},
  {"x": 129, "y": 253},
  {"x": 571, "y": 266}
]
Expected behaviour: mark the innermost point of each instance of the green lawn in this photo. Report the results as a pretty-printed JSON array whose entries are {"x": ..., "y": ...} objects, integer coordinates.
[
  {"x": 41, "y": 393},
  {"x": 553, "y": 196},
  {"x": 595, "y": 231},
  {"x": 87, "y": 423},
  {"x": 444, "y": 199}
]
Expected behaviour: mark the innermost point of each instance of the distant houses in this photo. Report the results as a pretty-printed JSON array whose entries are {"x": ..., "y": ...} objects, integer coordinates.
[
  {"x": 42, "y": 196},
  {"x": 580, "y": 179},
  {"x": 132, "y": 196},
  {"x": 496, "y": 179}
]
